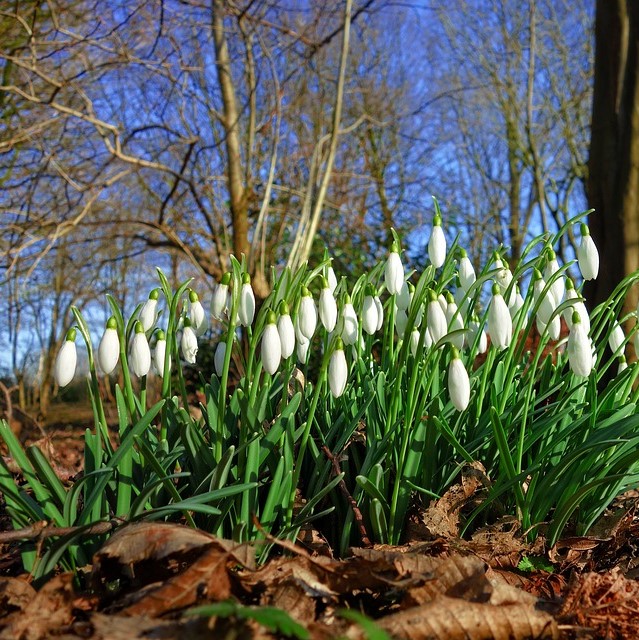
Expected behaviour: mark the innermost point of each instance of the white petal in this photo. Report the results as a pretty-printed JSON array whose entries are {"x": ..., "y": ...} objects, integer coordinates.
[
  {"x": 271, "y": 349},
  {"x": 327, "y": 309},
  {"x": 188, "y": 344},
  {"x": 219, "y": 301},
  {"x": 109, "y": 350},
  {"x": 500, "y": 324},
  {"x": 246, "y": 310},
  {"x": 219, "y": 356},
  {"x": 148, "y": 314},
  {"x": 437, "y": 247},
  {"x": 337, "y": 373},
  {"x": 65, "y": 363},
  {"x": 579, "y": 351},
  {"x": 286, "y": 332},
  {"x": 159, "y": 355},
  {"x": 198, "y": 318},
  {"x": 588, "y": 258},
  {"x": 394, "y": 273},
  {"x": 307, "y": 317},
  {"x": 351, "y": 329},
  {"x": 436, "y": 321},
  {"x": 369, "y": 315},
  {"x": 458, "y": 384},
  {"x": 140, "y": 356},
  {"x": 466, "y": 273}
]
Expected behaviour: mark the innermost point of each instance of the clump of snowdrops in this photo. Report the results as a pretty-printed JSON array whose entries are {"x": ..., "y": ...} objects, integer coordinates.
[{"x": 397, "y": 381}]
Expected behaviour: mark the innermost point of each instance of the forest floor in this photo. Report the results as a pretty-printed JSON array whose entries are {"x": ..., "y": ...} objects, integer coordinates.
[{"x": 155, "y": 580}]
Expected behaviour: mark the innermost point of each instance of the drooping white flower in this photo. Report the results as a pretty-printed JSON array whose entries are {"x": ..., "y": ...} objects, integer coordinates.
[
  {"x": 557, "y": 287},
  {"x": 307, "y": 315},
  {"x": 443, "y": 303},
  {"x": 327, "y": 307},
  {"x": 350, "y": 325},
  {"x": 219, "y": 301},
  {"x": 577, "y": 305},
  {"x": 461, "y": 300},
  {"x": 271, "y": 345},
  {"x": 435, "y": 318},
  {"x": 331, "y": 278},
  {"x": 403, "y": 297},
  {"x": 401, "y": 321},
  {"x": 500, "y": 324},
  {"x": 140, "y": 353},
  {"x": 414, "y": 341},
  {"x": 553, "y": 328},
  {"x": 188, "y": 343},
  {"x": 148, "y": 313},
  {"x": 197, "y": 315},
  {"x": 394, "y": 271},
  {"x": 579, "y": 348},
  {"x": 159, "y": 354},
  {"x": 616, "y": 338},
  {"x": 302, "y": 349},
  {"x": 503, "y": 277},
  {"x": 219, "y": 357},
  {"x": 66, "y": 360},
  {"x": 246, "y": 308},
  {"x": 380, "y": 312},
  {"x": 466, "y": 271},
  {"x": 545, "y": 302},
  {"x": 337, "y": 370},
  {"x": 458, "y": 382},
  {"x": 455, "y": 322},
  {"x": 286, "y": 331},
  {"x": 437, "y": 243},
  {"x": 518, "y": 303},
  {"x": 622, "y": 364},
  {"x": 369, "y": 311},
  {"x": 587, "y": 255},
  {"x": 109, "y": 348}
]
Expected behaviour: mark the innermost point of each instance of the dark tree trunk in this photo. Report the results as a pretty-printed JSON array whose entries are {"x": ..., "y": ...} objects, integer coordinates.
[{"x": 613, "y": 181}]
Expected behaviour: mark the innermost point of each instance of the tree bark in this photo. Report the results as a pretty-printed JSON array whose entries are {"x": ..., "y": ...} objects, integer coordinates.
[{"x": 613, "y": 180}]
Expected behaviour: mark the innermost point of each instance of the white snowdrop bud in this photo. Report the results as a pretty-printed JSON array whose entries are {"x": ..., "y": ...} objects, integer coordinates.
[
  {"x": 350, "y": 327},
  {"x": 331, "y": 279},
  {"x": 307, "y": 315},
  {"x": 414, "y": 341},
  {"x": 380, "y": 312},
  {"x": 219, "y": 357},
  {"x": 503, "y": 277},
  {"x": 148, "y": 313},
  {"x": 616, "y": 338},
  {"x": 302, "y": 349},
  {"x": 403, "y": 297},
  {"x": 369, "y": 311},
  {"x": 474, "y": 330},
  {"x": 454, "y": 321},
  {"x": 159, "y": 354},
  {"x": 557, "y": 287},
  {"x": 197, "y": 316},
  {"x": 188, "y": 343},
  {"x": 587, "y": 255},
  {"x": 518, "y": 303},
  {"x": 220, "y": 299},
  {"x": 109, "y": 348},
  {"x": 500, "y": 324},
  {"x": 286, "y": 331},
  {"x": 327, "y": 307},
  {"x": 246, "y": 308},
  {"x": 271, "y": 346},
  {"x": 437, "y": 243},
  {"x": 545, "y": 301},
  {"x": 466, "y": 271},
  {"x": 66, "y": 360},
  {"x": 401, "y": 321},
  {"x": 579, "y": 348},
  {"x": 337, "y": 370},
  {"x": 435, "y": 318},
  {"x": 394, "y": 271},
  {"x": 458, "y": 382},
  {"x": 140, "y": 354}
]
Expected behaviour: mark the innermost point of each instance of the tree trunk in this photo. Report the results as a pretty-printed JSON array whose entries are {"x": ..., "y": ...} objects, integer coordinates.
[{"x": 613, "y": 180}]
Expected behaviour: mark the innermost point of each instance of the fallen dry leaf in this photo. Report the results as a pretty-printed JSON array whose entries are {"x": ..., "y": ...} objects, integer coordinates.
[{"x": 15, "y": 593}]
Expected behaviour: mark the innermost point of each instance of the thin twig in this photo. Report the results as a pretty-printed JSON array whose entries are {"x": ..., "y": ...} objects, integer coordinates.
[
  {"x": 366, "y": 542},
  {"x": 41, "y": 530}
]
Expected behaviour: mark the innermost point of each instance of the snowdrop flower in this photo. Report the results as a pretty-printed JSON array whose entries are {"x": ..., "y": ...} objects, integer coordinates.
[
  {"x": 401, "y": 321},
  {"x": 500, "y": 324},
  {"x": 109, "y": 348},
  {"x": 435, "y": 318},
  {"x": 518, "y": 303},
  {"x": 66, "y": 360},
  {"x": 302, "y": 349},
  {"x": 443, "y": 303},
  {"x": 337, "y": 370},
  {"x": 437, "y": 243},
  {"x": 473, "y": 330},
  {"x": 414, "y": 341},
  {"x": 616, "y": 338},
  {"x": 577, "y": 306},
  {"x": 327, "y": 307},
  {"x": 587, "y": 255},
  {"x": 369, "y": 311},
  {"x": 350, "y": 328},
  {"x": 199, "y": 321},
  {"x": 553, "y": 328},
  {"x": 503, "y": 277},
  {"x": 458, "y": 382},
  {"x": 271, "y": 345},
  {"x": 148, "y": 313},
  {"x": 420, "y": 310},
  {"x": 286, "y": 331},
  {"x": 159, "y": 354},
  {"x": 188, "y": 343},
  {"x": 380, "y": 312},
  {"x": 307, "y": 315},
  {"x": 219, "y": 357},
  {"x": 623, "y": 364},
  {"x": 403, "y": 297},
  {"x": 579, "y": 348},
  {"x": 140, "y": 354},
  {"x": 454, "y": 321},
  {"x": 557, "y": 287},
  {"x": 545, "y": 302},
  {"x": 246, "y": 309},
  {"x": 331, "y": 278},
  {"x": 219, "y": 301},
  {"x": 466, "y": 271},
  {"x": 461, "y": 299},
  {"x": 394, "y": 271}
]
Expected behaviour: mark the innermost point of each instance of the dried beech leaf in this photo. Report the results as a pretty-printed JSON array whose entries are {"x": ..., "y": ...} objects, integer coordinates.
[
  {"x": 103, "y": 627},
  {"x": 453, "y": 619},
  {"x": 15, "y": 593}
]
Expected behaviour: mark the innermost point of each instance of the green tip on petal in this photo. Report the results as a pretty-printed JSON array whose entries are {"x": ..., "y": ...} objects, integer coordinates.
[
  {"x": 305, "y": 292},
  {"x": 112, "y": 323},
  {"x": 621, "y": 359},
  {"x": 187, "y": 323},
  {"x": 496, "y": 290},
  {"x": 463, "y": 253},
  {"x": 585, "y": 231},
  {"x": 536, "y": 274},
  {"x": 394, "y": 248},
  {"x": 193, "y": 297},
  {"x": 575, "y": 317},
  {"x": 432, "y": 296},
  {"x": 284, "y": 310},
  {"x": 346, "y": 299},
  {"x": 454, "y": 353},
  {"x": 569, "y": 284},
  {"x": 437, "y": 221},
  {"x": 411, "y": 288},
  {"x": 271, "y": 318},
  {"x": 324, "y": 282},
  {"x": 246, "y": 278},
  {"x": 226, "y": 278},
  {"x": 161, "y": 335},
  {"x": 339, "y": 344},
  {"x": 71, "y": 333},
  {"x": 139, "y": 328},
  {"x": 154, "y": 294},
  {"x": 370, "y": 289},
  {"x": 449, "y": 297},
  {"x": 551, "y": 254}
]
